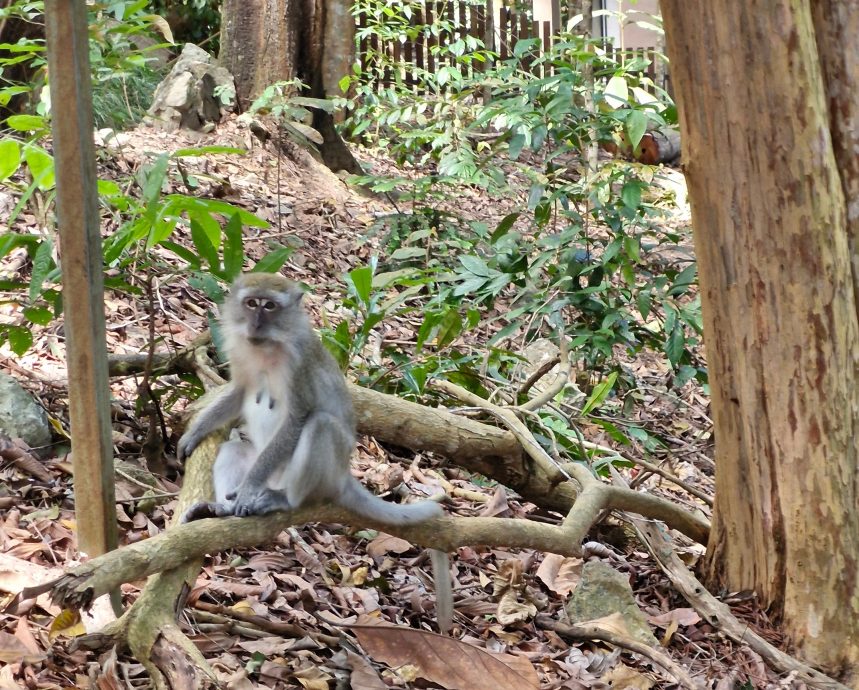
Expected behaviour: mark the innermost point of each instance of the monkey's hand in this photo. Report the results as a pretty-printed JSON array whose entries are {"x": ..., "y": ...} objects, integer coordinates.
[
  {"x": 257, "y": 501},
  {"x": 187, "y": 444},
  {"x": 204, "y": 509}
]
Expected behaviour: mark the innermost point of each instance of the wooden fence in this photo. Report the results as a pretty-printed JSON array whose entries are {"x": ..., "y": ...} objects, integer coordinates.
[{"x": 457, "y": 19}]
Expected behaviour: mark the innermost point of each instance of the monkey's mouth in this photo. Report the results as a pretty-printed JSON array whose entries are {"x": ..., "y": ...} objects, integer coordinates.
[{"x": 257, "y": 341}]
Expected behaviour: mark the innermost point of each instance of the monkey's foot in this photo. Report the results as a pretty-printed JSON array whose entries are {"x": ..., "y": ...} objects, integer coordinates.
[
  {"x": 259, "y": 502},
  {"x": 202, "y": 510}
]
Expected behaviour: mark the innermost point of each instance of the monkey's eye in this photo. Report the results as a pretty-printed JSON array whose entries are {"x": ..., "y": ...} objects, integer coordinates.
[
  {"x": 269, "y": 305},
  {"x": 252, "y": 303}
]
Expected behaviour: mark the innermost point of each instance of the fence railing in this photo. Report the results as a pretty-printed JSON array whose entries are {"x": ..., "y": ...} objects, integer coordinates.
[{"x": 456, "y": 20}]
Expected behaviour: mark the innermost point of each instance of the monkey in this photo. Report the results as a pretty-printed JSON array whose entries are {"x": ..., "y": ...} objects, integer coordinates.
[{"x": 299, "y": 421}]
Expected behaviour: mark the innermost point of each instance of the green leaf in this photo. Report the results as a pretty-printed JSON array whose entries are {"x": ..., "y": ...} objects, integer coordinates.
[
  {"x": 233, "y": 248},
  {"x": 535, "y": 195},
  {"x": 684, "y": 280},
  {"x": 675, "y": 345},
  {"x": 42, "y": 265},
  {"x": 362, "y": 279},
  {"x": 39, "y": 315},
  {"x": 476, "y": 266},
  {"x": 406, "y": 253},
  {"x": 504, "y": 227},
  {"x": 449, "y": 328},
  {"x": 153, "y": 178},
  {"x": 10, "y": 157},
  {"x": 635, "y": 126},
  {"x": 273, "y": 261},
  {"x": 41, "y": 165},
  {"x": 631, "y": 194},
  {"x": 600, "y": 393},
  {"x": 204, "y": 246},
  {"x": 644, "y": 301},
  {"x": 183, "y": 252},
  {"x": 20, "y": 338},
  {"x": 27, "y": 123},
  {"x": 345, "y": 83},
  {"x": 517, "y": 143},
  {"x": 616, "y": 92}
]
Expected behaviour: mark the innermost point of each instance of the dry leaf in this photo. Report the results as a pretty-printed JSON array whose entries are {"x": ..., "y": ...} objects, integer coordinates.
[
  {"x": 385, "y": 543},
  {"x": 25, "y": 636},
  {"x": 560, "y": 574},
  {"x": 511, "y": 610},
  {"x": 497, "y": 505},
  {"x": 312, "y": 678},
  {"x": 684, "y": 616},
  {"x": 622, "y": 677},
  {"x": 68, "y": 623},
  {"x": 364, "y": 676},
  {"x": 669, "y": 633},
  {"x": 611, "y": 623},
  {"x": 13, "y": 651},
  {"x": 444, "y": 660}
]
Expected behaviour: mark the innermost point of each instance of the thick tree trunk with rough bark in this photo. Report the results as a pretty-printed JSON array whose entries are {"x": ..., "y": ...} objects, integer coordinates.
[
  {"x": 265, "y": 41},
  {"x": 260, "y": 43},
  {"x": 772, "y": 230}
]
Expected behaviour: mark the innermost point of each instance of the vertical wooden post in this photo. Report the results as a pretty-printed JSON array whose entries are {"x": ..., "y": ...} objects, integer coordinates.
[{"x": 83, "y": 282}]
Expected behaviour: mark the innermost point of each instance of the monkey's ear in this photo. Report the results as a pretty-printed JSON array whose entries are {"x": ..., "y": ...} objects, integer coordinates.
[{"x": 296, "y": 295}]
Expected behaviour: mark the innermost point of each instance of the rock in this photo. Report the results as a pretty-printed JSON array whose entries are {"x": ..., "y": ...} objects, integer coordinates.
[
  {"x": 603, "y": 591},
  {"x": 21, "y": 415},
  {"x": 194, "y": 94}
]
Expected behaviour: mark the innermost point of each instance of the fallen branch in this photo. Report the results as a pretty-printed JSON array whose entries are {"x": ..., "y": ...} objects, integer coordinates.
[
  {"x": 718, "y": 614},
  {"x": 594, "y": 496},
  {"x": 588, "y": 631}
]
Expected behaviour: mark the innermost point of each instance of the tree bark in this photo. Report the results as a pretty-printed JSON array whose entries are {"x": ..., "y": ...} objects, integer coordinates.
[
  {"x": 266, "y": 41},
  {"x": 259, "y": 43},
  {"x": 780, "y": 320},
  {"x": 836, "y": 25}
]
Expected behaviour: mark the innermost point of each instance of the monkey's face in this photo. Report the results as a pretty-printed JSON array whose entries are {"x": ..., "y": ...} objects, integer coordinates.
[{"x": 261, "y": 309}]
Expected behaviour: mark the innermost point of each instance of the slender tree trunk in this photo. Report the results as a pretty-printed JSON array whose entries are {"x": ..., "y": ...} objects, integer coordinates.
[{"x": 771, "y": 234}]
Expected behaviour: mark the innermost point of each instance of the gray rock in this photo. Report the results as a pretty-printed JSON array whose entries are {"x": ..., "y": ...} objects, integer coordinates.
[
  {"x": 21, "y": 415},
  {"x": 603, "y": 591},
  {"x": 194, "y": 94}
]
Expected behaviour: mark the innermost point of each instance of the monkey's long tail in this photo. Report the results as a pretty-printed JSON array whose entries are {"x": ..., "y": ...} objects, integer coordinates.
[{"x": 357, "y": 498}]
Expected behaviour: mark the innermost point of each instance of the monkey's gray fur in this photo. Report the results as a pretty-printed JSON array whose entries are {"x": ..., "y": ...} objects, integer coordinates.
[{"x": 299, "y": 421}]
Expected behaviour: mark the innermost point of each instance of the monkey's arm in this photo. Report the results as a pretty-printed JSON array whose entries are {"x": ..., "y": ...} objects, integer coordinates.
[
  {"x": 225, "y": 408},
  {"x": 264, "y": 487}
]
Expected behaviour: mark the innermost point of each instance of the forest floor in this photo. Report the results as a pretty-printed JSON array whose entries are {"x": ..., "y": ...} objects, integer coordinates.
[{"x": 320, "y": 579}]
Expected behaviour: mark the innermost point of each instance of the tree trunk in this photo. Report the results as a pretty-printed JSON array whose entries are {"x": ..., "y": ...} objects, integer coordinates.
[
  {"x": 836, "y": 24},
  {"x": 277, "y": 40},
  {"x": 780, "y": 319},
  {"x": 259, "y": 43}
]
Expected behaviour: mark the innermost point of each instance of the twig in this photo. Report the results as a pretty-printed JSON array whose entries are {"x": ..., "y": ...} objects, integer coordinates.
[
  {"x": 595, "y": 496},
  {"x": 544, "y": 369},
  {"x": 715, "y": 612},
  {"x": 593, "y": 632},
  {"x": 558, "y": 383}
]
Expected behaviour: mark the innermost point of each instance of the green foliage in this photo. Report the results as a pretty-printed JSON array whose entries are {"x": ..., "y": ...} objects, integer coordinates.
[
  {"x": 123, "y": 37},
  {"x": 193, "y": 21},
  {"x": 292, "y": 111},
  {"x": 579, "y": 254}
]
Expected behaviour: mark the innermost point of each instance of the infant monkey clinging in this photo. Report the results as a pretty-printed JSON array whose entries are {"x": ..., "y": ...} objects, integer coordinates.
[{"x": 299, "y": 420}]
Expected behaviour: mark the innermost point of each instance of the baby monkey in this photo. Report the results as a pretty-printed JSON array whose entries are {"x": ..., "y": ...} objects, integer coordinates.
[{"x": 299, "y": 421}]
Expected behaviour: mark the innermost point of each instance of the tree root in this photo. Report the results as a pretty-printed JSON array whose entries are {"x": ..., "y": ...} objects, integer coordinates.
[{"x": 172, "y": 559}]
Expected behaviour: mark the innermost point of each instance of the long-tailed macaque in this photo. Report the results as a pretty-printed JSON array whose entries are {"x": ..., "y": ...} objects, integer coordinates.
[{"x": 299, "y": 421}]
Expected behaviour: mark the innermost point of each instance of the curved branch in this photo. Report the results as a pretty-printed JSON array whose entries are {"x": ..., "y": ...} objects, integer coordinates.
[
  {"x": 181, "y": 543},
  {"x": 594, "y": 495}
]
